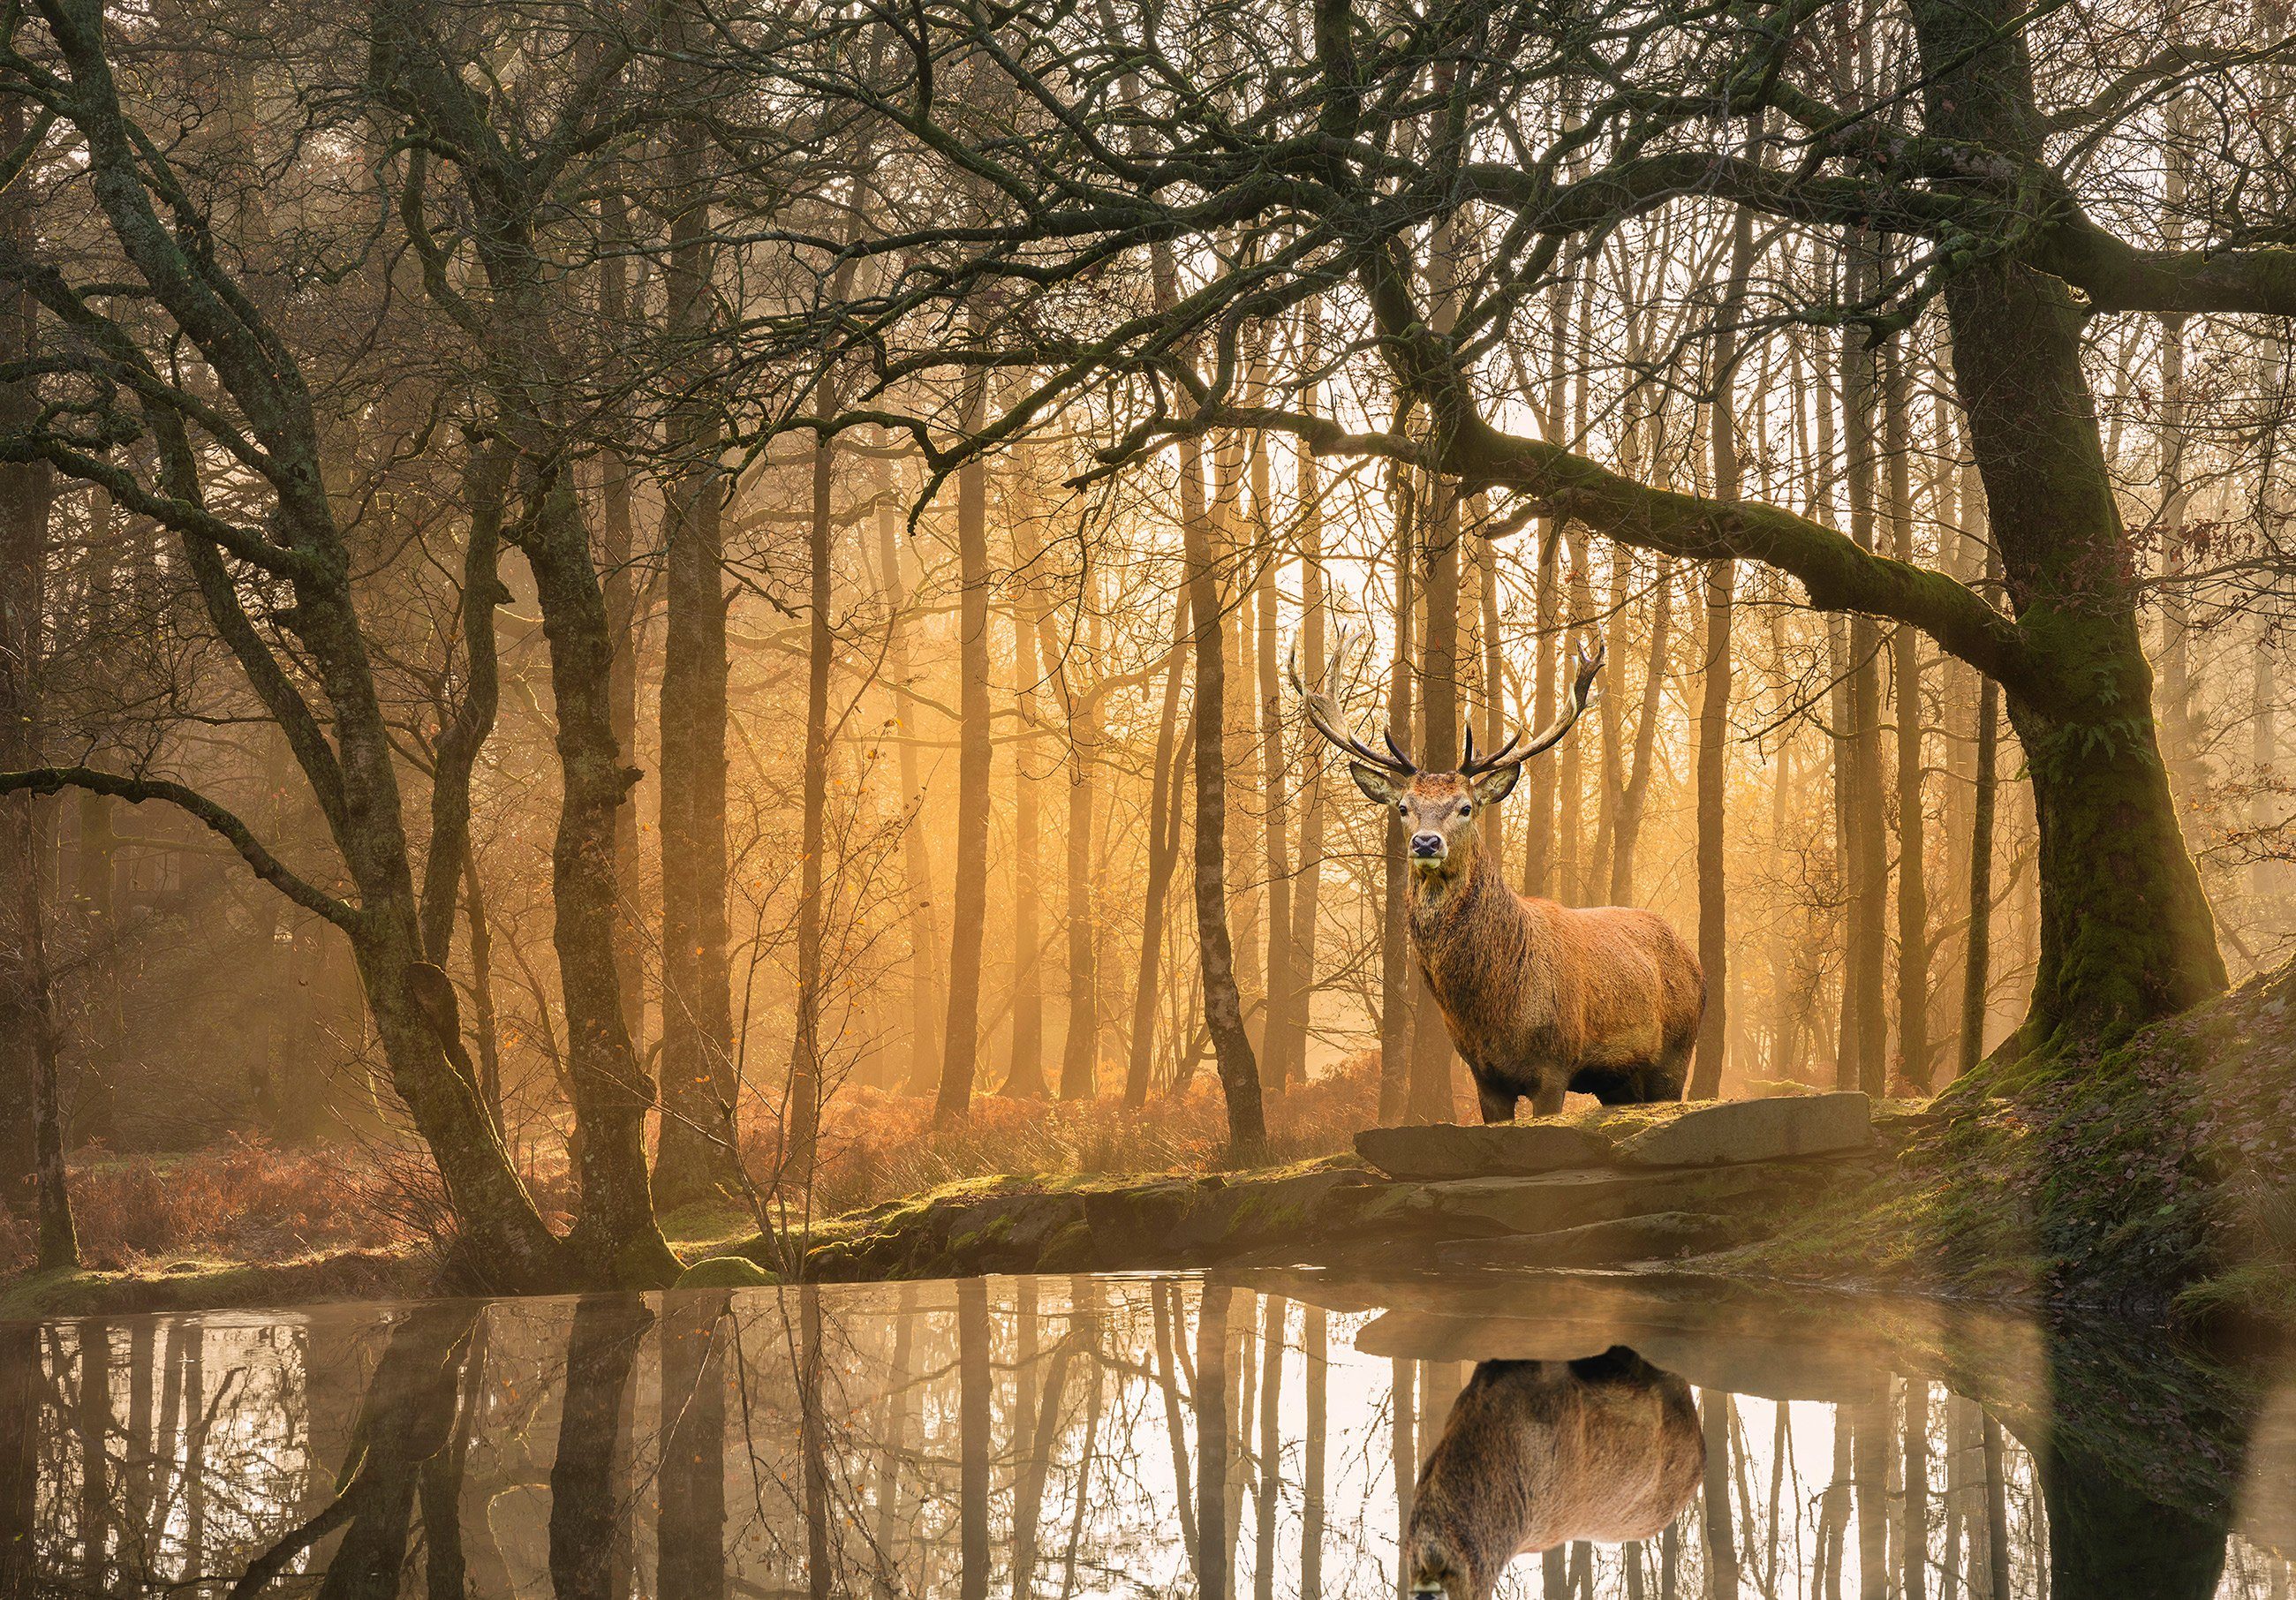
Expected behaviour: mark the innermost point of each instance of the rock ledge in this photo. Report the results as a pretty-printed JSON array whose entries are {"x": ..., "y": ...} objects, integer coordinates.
[{"x": 1727, "y": 1133}]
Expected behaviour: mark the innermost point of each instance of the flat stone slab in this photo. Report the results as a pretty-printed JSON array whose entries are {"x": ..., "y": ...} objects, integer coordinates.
[
  {"x": 1754, "y": 1130},
  {"x": 1435, "y": 1151},
  {"x": 1706, "y": 1134}
]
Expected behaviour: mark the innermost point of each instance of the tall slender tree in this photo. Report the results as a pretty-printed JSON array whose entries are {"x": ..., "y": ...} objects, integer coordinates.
[{"x": 969, "y": 902}]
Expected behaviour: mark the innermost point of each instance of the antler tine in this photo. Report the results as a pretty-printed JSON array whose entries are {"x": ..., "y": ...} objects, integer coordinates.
[
  {"x": 1582, "y": 695},
  {"x": 1343, "y": 637},
  {"x": 1326, "y": 717},
  {"x": 1498, "y": 757}
]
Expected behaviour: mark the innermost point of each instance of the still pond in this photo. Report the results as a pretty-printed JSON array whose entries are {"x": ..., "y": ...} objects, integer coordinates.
[{"x": 1260, "y": 1435}]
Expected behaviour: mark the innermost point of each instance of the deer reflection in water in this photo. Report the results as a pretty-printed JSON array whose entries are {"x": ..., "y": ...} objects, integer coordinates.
[{"x": 1538, "y": 1453}]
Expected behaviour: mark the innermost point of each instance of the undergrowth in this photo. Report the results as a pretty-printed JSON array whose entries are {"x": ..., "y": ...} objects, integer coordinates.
[
  {"x": 242, "y": 1199},
  {"x": 247, "y": 1200},
  {"x": 876, "y": 1146}
]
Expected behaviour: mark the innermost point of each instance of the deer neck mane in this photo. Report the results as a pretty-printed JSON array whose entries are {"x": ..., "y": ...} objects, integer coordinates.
[{"x": 1441, "y": 900}]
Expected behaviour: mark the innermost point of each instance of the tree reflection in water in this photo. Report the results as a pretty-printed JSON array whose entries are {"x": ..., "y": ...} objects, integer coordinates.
[{"x": 1067, "y": 1437}]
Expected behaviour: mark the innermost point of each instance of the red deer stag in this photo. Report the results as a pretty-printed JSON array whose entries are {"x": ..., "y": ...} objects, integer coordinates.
[
  {"x": 1540, "y": 998},
  {"x": 1540, "y": 1452}
]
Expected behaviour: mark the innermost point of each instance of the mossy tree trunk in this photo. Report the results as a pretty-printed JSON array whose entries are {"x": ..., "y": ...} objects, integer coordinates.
[
  {"x": 2126, "y": 935},
  {"x": 520, "y": 327},
  {"x": 615, "y": 1231}
]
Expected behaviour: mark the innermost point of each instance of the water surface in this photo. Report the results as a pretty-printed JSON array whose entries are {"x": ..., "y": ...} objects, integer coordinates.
[{"x": 1261, "y": 1435}]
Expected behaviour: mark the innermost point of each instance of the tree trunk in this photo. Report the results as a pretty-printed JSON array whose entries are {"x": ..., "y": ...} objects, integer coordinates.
[
  {"x": 1611, "y": 768},
  {"x": 1539, "y": 802},
  {"x": 1235, "y": 558},
  {"x": 697, "y": 1152},
  {"x": 1905, "y": 653},
  {"x": 1080, "y": 1048},
  {"x": 1307, "y": 901},
  {"x": 482, "y": 990},
  {"x": 1845, "y": 834},
  {"x": 1634, "y": 794},
  {"x": 1276, "y": 1027},
  {"x": 1025, "y": 1078},
  {"x": 806, "y": 1073},
  {"x": 1163, "y": 856},
  {"x": 2126, "y": 933},
  {"x": 1223, "y": 1004},
  {"x": 2182, "y": 734},
  {"x": 1570, "y": 767},
  {"x": 1436, "y": 750},
  {"x": 1868, "y": 844},
  {"x": 1394, "y": 974},
  {"x": 969, "y": 902},
  {"x": 1493, "y": 820},
  {"x": 1712, "y": 776},
  {"x": 615, "y": 1233},
  {"x": 924, "y": 927},
  {"x": 617, "y": 553},
  {"x": 1713, "y": 758}
]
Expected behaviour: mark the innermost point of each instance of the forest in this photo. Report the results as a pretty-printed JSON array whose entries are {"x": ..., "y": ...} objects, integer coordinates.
[{"x": 631, "y": 626}]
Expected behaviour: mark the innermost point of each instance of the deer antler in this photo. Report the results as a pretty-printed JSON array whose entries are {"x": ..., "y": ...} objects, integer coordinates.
[
  {"x": 1324, "y": 711},
  {"x": 1582, "y": 695}
]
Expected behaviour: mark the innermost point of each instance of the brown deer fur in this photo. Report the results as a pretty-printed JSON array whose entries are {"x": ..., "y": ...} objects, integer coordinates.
[
  {"x": 1539, "y": 997},
  {"x": 1536, "y": 1453}
]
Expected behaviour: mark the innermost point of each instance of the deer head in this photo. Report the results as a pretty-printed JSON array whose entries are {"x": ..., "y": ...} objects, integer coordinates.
[{"x": 1437, "y": 808}]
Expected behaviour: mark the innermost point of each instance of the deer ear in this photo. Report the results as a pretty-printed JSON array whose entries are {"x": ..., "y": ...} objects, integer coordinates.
[
  {"x": 1377, "y": 787},
  {"x": 1495, "y": 785}
]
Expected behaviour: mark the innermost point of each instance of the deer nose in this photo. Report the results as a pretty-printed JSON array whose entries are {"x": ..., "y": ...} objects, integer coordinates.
[{"x": 1427, "y": 844}]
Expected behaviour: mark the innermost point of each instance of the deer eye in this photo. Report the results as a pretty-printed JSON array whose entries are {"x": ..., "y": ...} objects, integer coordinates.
[{"x": 1465, "y": 807}]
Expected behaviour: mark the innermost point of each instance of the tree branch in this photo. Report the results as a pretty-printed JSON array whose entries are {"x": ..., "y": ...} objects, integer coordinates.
[
  {"x": 2118, "y": 276},
  {"x": 48, "y": 780}
]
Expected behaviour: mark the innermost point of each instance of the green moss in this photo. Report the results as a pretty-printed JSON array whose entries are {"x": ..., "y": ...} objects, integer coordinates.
[
  {"x": 1071, "y": 1249},
  {"x": 691, "y": 1228},
  {"x": 203, "y": 1285},
  {"x": 725, "y": 1272},
  {"x": 2160, "y": 1174}
]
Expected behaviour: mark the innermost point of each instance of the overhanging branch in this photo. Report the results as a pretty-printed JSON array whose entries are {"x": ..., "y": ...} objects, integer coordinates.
[{"x": 49, "y": 780}]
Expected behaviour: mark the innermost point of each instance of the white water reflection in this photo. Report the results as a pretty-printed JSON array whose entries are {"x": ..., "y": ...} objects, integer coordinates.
[{"x": 1064, "y": 1437}]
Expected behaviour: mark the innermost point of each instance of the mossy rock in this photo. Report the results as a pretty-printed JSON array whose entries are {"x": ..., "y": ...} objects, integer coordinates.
[{"x": 725, "y": 1272}]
